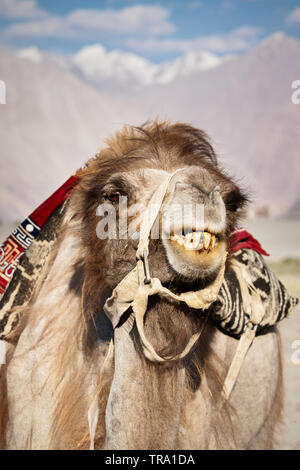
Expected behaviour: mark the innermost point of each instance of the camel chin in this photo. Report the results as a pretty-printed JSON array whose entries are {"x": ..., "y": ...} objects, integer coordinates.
[{"x": 197, "y": 255}]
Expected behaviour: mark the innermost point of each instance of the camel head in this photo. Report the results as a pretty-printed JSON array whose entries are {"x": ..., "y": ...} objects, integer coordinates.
[{"x": 200, "y": 208}]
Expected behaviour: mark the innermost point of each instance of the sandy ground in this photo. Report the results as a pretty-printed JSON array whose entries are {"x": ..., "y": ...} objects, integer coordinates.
[{"x": 270, "y": 234}]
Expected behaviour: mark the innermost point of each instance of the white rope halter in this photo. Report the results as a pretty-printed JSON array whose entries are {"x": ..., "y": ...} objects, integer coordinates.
[{"x": 134, "y": 290}]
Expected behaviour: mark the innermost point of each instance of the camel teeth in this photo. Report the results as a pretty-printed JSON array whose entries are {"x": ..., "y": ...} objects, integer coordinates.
[
  {"x": 189, "y": 246},
  {"x": 201, "y": 240},
  {"x": 188, "y": 236},
  {"x": 196, "y": 240},
  {"x": 212, "y": 242},
  {"x": 206, "y": 241},
  {"x": 178, "y": 238}
]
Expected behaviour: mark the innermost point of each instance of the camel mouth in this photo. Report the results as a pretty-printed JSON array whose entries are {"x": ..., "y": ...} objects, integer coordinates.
[
  {"x": 197, "y": 254},
  {"x": 197, "y": 241}
]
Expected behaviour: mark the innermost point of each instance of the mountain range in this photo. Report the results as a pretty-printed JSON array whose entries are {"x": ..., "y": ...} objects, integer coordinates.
[
  {"x": 58, "y": 112},
  {"x": 118, "y": 71},
  {"x": 245, "y": 106}
]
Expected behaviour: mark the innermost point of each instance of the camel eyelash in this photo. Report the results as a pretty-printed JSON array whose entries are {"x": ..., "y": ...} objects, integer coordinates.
[
  {"x": 113, "y": 194},
  {"x": 113, "y": 197},
  {"x": 116, "y": 185}
]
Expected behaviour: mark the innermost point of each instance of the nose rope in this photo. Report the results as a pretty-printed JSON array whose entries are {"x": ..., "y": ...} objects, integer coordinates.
[{"x": 150, "y": 216}]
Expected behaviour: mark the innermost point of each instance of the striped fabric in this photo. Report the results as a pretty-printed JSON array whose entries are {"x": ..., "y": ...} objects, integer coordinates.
[{"x": 228, "y": 312}]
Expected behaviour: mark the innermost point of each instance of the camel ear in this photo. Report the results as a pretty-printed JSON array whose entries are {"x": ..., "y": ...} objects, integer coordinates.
[{"x": 235, "y": 199}]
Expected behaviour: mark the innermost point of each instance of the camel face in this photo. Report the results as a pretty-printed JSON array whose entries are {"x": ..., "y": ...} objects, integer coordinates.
[
  {"x": 200, "y": 208},
  {"x": 187, "y": 241}
]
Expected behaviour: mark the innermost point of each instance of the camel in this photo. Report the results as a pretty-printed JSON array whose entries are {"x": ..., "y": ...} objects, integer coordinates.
[{"x": 72, "y": 374}]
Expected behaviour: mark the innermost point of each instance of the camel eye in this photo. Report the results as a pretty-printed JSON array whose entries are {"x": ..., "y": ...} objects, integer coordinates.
[{"x": 114, "y": 197}]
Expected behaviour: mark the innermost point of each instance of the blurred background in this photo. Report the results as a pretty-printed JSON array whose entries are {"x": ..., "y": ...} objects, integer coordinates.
[{"x": 73, "y": 72}]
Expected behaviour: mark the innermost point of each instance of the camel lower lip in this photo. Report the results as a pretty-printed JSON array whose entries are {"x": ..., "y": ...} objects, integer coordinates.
[{"x": 195, "y": 241}]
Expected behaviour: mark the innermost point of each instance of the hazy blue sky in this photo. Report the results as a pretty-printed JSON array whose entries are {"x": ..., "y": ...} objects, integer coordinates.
[{"x": 154, "y": 29}]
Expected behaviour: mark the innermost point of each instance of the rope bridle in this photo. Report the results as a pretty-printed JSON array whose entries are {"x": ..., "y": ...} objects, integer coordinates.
[{"x": 136, "y": 288}]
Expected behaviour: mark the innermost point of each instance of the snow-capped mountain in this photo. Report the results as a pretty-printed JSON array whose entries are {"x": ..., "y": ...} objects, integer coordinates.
[
  {"x": 53, "y": 121},
  {"x": 245, "y": 105},
  {"x": 117, "y": 71}
]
